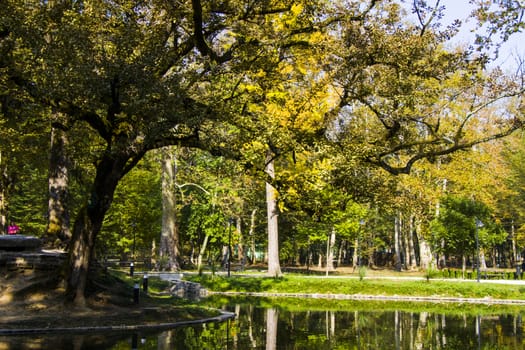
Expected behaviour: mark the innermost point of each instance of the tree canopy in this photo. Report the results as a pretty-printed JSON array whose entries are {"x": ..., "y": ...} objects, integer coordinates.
[{"x": 345, "y": 88}]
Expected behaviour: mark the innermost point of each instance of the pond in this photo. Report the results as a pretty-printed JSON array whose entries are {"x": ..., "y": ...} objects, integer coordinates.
[{"x": 315, "y": 324}]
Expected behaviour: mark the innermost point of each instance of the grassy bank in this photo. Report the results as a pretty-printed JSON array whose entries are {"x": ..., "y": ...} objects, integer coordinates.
[
  {"x": 307, "y": 284},
  {"x": 35, "y": 299}
]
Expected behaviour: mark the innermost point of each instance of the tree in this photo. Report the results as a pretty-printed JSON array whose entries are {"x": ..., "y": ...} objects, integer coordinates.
[
  {"x": 457, "y": 227},
  {"x": 412, "y": 103},
  {"x": 503, "y": 18},
  {"x": 510, "y": 202},
  {"x": 59, "y": 215},
  {"x": 142, "y": 76},
  {"x": 169, "y": 237},
  {"x": 274, "y": 268},
  {"x": 134, "y": 220},
  {"x": 226, "y": 76}
]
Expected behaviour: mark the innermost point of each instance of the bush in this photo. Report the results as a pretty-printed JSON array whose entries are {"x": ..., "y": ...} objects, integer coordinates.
[{"x": 362, "y": 272}]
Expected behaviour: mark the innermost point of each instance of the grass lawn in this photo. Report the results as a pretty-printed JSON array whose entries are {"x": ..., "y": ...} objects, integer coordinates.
[{"x": 291, "y": 283}]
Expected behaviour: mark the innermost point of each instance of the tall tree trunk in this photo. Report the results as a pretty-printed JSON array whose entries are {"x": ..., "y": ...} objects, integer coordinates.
[
  {"x": 3, "y": 197},
  {"x": 411, "y": 247},
  {"x": 441, "y": 263},
  {"x": 89, "y": 222},
  {"x": 397, "y": 242},
  {"x": 85, "y": 230},
  {"x": 341, "y": 251},
  {"x": 274, "y": 267},
  {"x": 330, "y": 252},
  {"x": 201, "y": 253},
  {"x": 355, "y": 257},
  {"x": 225, "y": 256},
  {"x": 425, "y": 251},
  {"x": 169, "y": 237},
  {"x": 405, "y": 237},
  {"x": 464, "y": 265},
  {"x": 241, "y": 253},
  {"x": 483, "y": 261},
  {"x": 251, "y": 234},
  {"x": 515, "y": 253},
  {"x": 153, "y": 260},
  {"x": 58, "y": 222}
]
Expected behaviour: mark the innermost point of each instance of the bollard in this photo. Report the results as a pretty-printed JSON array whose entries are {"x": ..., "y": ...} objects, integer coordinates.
[
  {"x": 134, "y": 341},
  {"x": 131, "y": 268},
  {"x": 136, "y": 291},
  {"x": 145, "y": 283}
]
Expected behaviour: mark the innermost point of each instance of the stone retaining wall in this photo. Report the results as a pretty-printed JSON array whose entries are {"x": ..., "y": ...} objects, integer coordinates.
[
  {"x": 31, "y": 260},
  {"x": 187, "y": 290}
]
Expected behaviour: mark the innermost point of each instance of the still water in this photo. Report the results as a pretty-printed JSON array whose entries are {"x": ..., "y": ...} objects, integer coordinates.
[{"x": 292, "y": 325}]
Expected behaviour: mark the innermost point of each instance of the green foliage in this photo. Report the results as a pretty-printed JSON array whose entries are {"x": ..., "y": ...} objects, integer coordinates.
[
  {"x": 457, "y": 227},
  {"x": 212, "y": 190},
  {"x": 134, "y": 219},
  {"x": 510, "y": 204},
  {"x": 500, "y": 18},
  {"x": 362, "y": 272},
  {"x": 334, "y": 92},
  {"x": 430, "y": 273}
]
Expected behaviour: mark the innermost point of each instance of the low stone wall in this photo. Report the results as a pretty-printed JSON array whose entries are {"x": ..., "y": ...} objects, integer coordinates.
[
  {"x": 19, "y": 243},
  {"x": 179, "y": 287},
  {"x": 31, "y": 260},
  {"x": 167, "y": 276},
  {"x": 187, "y": 290}
]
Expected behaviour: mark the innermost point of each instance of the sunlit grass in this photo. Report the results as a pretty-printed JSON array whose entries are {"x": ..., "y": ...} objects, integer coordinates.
[{"x": 306, "y": 284}]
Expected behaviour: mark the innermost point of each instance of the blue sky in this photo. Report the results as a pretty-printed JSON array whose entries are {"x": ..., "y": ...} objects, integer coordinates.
[{"x": 460, "y": 9}]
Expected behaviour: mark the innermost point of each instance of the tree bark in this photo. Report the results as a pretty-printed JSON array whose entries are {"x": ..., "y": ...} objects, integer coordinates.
[
  {"x": 3, "y": 197},
  {"x": 330, "y": 251},
  {"x": 225, "y": 256},
  {"x": 411, "y": 246},
  {"x": 241, "y": 253},
  {"x": 341, "y": 251},
  {"x": 441, "y": 263},
  {"x": 81, "y": 251},
  {"x": 88, "y": 223},
  {"x": 397, "y": 242},
  {"x": 515, "y": 253},
  {"x": 274, "y": 268},
  {"x": 425, "y": 251},
  {"x": 201, "y": 253},
  {"x": 464, "y": 265},
  {"x": 58, "y": 222},
  {"x": 251, "y": 234},
  {"x": 169, "y": 237},
  {"x": 355, "y": 257}
]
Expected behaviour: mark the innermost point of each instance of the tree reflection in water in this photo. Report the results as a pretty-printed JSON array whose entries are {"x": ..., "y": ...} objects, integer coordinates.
[{"x": 270, "y": 327}]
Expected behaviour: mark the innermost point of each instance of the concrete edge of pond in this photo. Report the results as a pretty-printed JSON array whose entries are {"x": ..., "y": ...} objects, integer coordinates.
[
  {"x": 224, "y": 316},
  {"x": 363, "y": 297}
]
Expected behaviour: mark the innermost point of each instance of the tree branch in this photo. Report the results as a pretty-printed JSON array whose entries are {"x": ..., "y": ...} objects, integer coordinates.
[{"x": 406, "y": 168}]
